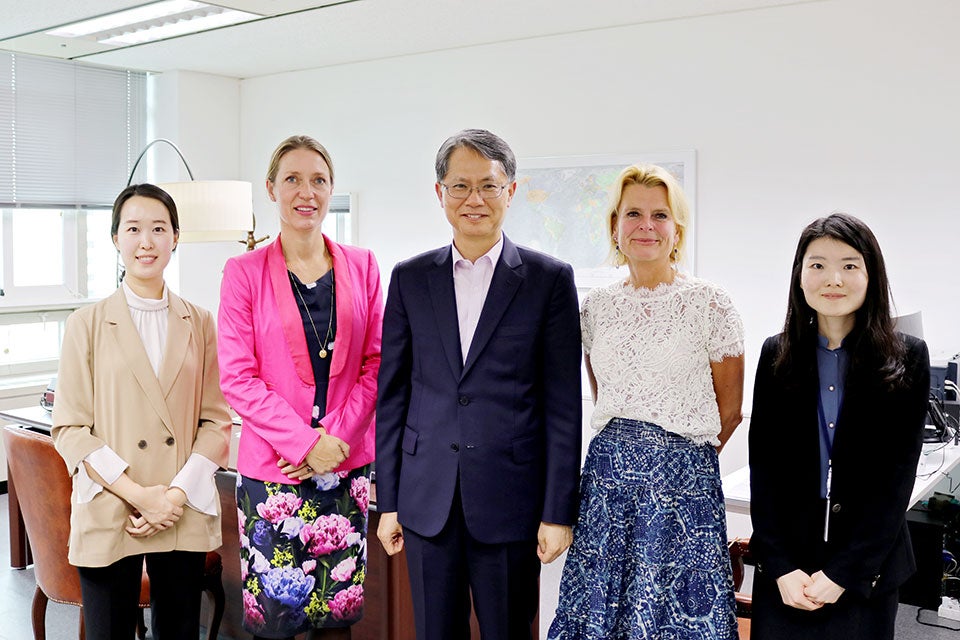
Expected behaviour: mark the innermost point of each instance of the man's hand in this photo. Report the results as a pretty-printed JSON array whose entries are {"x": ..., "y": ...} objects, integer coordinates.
[
  {"x": 552, "y": 540},
  {"x": 390, "y": 533},
  {"x": 823, "y": 589},
  {"x": 792, "y": 589}
]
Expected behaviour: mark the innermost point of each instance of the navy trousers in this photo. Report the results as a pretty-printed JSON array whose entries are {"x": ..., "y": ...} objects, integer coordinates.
[{"x": 446, "y": 569}]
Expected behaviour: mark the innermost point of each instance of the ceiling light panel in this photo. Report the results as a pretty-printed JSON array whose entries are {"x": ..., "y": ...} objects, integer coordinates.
[{"x": 156, "y": 21}]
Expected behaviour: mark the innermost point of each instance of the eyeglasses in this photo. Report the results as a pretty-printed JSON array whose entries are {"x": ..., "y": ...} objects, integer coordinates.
[{"x": 488, "y": 191}]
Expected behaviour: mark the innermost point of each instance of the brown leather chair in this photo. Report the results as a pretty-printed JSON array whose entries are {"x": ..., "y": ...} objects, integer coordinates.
[
  {"x": 43, "y": 487},
  {"x": 740, "y": 556}
]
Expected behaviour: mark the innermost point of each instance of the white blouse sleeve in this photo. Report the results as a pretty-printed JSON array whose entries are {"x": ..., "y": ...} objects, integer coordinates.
[
  {"x": 106, "y": 462},
  {"x": 725, "y": 328},
  {"x": 196, "y": 479},
  {"x": 586, "y": 324}
]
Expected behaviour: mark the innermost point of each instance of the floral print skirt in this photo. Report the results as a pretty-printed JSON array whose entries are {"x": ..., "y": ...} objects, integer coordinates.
[
  {"x": 303, "y": 552},
  {"x": 649, "y": 557}
]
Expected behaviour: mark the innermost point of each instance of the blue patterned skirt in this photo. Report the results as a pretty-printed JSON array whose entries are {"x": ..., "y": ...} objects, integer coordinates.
[
  {"x": 303, "y": 552},
  {"x": 649, "y": 556}
]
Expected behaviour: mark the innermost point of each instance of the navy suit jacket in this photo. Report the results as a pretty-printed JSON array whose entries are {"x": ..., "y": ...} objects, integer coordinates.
[
  {"x": 505, "y": 424},
  {"x": 875, "y": 453}
]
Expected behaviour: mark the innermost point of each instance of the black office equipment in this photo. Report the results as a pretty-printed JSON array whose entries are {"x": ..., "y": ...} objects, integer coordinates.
[{"x": 925, "y": 587}]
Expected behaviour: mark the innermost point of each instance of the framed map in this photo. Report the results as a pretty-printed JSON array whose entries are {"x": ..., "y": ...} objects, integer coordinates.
[{"x": 561, "y": 204}]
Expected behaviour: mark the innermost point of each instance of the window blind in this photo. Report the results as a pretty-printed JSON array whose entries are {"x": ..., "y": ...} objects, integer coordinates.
[{"x": 69, "y": 131}]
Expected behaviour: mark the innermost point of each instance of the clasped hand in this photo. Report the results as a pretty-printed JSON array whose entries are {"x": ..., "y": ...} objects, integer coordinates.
[
  {"x": 156, "y": 508},
  {"x": 808, "y": 592},
  {"x": 552, "y": 540},
  {"x": 326, "y": 455}
]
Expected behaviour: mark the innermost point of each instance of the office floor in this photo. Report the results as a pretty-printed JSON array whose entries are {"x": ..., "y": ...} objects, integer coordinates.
[
  {"x": 16, "y": 598},
  {"x": 17, "y": 588}
]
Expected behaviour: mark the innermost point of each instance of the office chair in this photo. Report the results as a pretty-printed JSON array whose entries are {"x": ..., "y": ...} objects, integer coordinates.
[
  {"x": 44, "y": 486},
  {"x": 740, "y": 556}
]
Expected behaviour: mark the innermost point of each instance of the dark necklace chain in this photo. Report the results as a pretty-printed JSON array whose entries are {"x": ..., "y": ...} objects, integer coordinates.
[{"x": 333, "y": 302}]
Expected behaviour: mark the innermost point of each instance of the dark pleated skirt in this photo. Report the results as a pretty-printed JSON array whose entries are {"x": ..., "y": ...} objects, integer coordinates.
[{"x": 649, "y": 557}]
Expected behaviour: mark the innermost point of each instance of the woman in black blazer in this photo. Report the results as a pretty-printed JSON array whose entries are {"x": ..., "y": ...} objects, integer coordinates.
[{"x": 838, "y": 413}]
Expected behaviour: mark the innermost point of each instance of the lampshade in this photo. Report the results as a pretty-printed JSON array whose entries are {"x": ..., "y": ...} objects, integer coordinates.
[{"x": 212, "y": 210}]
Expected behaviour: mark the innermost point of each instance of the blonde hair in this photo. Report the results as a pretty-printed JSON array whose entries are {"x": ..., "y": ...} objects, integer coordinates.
[
  {"x": 648, "y": 175},
  {"x": 297, "y": 142}
]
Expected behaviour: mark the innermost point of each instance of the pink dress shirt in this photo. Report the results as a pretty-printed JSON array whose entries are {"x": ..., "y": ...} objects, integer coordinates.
[{"x": 471, "y": 281}]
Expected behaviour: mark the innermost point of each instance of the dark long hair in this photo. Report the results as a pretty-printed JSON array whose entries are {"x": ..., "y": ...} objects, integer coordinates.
[{"x": 873, "y": 343}]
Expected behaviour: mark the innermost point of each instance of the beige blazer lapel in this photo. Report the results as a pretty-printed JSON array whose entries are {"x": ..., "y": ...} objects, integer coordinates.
[
  {"x": 130, "y": 346},
  {"x": 178, "y": 343}
]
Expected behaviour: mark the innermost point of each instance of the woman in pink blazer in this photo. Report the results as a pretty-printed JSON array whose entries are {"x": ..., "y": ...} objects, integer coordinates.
[{"x": 299, "y": 348}]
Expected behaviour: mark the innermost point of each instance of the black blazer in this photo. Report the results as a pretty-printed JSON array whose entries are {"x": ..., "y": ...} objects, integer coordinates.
[
  {"x": 875, "y": 452},
  {"x": 505, "y": 424}
]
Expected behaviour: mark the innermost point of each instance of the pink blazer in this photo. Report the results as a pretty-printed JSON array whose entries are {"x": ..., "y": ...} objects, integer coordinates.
[{"x": 265, "y": 370}]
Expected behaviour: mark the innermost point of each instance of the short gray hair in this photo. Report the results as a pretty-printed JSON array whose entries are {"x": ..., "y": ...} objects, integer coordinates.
[{"x": 487, "y": 144}]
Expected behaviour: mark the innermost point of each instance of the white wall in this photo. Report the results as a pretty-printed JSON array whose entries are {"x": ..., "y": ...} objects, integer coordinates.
[
  {"x": 794, "y": 112},
  {"x": 200, "y": 113}
]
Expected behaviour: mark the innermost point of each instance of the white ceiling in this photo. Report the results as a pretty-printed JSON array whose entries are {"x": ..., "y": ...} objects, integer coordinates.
[{"x": 349, "y": 30}]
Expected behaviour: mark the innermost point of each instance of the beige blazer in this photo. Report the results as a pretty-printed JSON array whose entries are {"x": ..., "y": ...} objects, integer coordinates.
[{"x": 107, "y": 393}]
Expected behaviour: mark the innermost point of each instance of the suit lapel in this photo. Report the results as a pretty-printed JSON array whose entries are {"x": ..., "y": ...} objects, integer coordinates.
[
  {"x": 344, "y": 292},
  {"x": 178, "y": 343},
  {"x": 503, "y": 287},
  {"x": 290, "y": 318},
  {"x": 130, "y": 346},
  {"x": 444, "y": 300}
]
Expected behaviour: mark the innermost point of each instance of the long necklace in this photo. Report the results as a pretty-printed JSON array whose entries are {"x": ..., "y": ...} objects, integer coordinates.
[{"x": 333, "y": 306}]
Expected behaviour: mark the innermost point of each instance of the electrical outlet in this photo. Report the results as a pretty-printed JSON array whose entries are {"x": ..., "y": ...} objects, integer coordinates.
[{"x": 950, "y": 608}]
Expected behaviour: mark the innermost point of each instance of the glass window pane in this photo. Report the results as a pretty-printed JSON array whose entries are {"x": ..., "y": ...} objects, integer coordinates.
[
  {"x": 37, "y": 247},
  {"x": 101, "y": 255},
  {"x": 29, "y": 342}
]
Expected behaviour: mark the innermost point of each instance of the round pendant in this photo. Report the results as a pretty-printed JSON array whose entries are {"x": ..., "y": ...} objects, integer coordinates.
[{"x": 323, "y": 353}]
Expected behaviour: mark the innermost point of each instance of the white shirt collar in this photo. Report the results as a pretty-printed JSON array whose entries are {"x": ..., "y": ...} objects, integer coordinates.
[{"x": 493, "y": 253}]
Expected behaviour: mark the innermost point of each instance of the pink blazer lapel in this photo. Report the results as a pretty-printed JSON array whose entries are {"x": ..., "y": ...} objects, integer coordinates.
[
  {"x": 289, "y": 313},
  {"x": 344, "y": 290}
]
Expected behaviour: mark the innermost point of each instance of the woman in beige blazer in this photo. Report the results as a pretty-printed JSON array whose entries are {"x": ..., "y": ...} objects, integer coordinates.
[{"x": 142, "y": 426}]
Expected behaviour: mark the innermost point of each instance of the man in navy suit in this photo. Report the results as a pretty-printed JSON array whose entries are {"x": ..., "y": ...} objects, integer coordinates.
[{"x": 478, "y": 411}]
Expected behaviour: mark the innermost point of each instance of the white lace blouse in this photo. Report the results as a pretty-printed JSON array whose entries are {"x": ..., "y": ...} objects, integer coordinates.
[{"x": 651, "y": 349}]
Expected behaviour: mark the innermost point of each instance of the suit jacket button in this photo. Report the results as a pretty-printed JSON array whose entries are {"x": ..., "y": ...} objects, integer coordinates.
[
  {"x": 835, "y": 508},
  {"x": 170, "y": 441},
  {"x": 455, "y": 447},
  {"x": 142, "y": 444},
  {"x": 464, "y": 401}
]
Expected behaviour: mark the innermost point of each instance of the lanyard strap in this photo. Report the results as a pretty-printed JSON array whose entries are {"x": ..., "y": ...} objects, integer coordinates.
[{"x": 828, "y": 443}]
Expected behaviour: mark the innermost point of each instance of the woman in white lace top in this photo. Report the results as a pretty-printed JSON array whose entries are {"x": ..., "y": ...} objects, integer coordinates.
[{"x": 664, "y": 355}]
